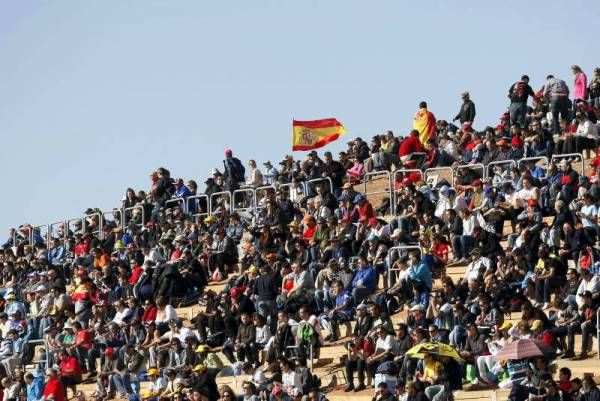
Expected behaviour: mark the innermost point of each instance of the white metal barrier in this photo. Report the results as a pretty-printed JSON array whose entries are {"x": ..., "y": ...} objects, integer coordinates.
[
  {"x": 175, "y": 202},
  {"x": 258, "y": 198},
  {"x": 375, "y": 174},
  {"x": 111, "y": 219},
  {"x": 214, "y": 203},
  {"x": 196, "y": 201},
  {"x": 311, "y": 184},
  {"x": 505, "y": 165},
  {"x": 390, "y": 261},
  {"x": 43, "y": 234},
  {"x": 58, "y": 234},
  {"x": 133, "y": 209},
  {"x": 536, "y": 160},
  {"x": 474, "y": 167},
  {"x": 73, "y": 223},
  {"x": 244, "y": 199},
  {"x": 293, "y": 194},
  {"x": 430, "y": 172},
  {"x": 577, "y": 156},
  {"x": 98, "y": 229}
]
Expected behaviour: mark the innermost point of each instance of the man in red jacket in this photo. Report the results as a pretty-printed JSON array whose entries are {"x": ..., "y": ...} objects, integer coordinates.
[{"x": 410, "y": 145}]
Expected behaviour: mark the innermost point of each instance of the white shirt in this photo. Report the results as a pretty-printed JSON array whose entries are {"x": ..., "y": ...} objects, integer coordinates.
[
  {"x": 164, "y": 316},
  {"x": 469, "y": 225},
  {"x": 119, "y": 316},
  {"x": 588, "y": 129},
  {"x": 476, "y": 267},
  {"x": 592, "y": 286}
]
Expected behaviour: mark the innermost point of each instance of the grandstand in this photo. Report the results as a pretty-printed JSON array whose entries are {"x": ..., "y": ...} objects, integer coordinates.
[{"x": 102, "y": 256}]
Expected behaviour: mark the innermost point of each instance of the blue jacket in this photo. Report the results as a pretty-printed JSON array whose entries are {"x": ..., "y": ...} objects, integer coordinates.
[
  {"x": 35, "y": 390},
  {"x": 421, "y": 273},
  {"x": 368, "y": 277}
]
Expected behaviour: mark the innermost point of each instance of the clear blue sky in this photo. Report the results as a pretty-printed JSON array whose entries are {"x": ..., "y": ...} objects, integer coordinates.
[{"x": 94, "y": 95}]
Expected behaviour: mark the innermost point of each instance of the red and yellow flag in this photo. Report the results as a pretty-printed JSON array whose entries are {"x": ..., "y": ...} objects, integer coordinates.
[
  {"x": 308, "y": 135},
  {"x": 424, "y": 122}
]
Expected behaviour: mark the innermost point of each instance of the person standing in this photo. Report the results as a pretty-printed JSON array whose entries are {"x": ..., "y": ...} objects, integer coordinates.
[
  {"x": 556, "y": 92},
  {"x": 580, "y": 84},
  {"x": 518, "y": 94},
  {"x": 466, "y": 114}
]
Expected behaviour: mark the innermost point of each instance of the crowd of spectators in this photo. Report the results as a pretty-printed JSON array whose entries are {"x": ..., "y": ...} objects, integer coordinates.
[{"x": 307, "y": 257}]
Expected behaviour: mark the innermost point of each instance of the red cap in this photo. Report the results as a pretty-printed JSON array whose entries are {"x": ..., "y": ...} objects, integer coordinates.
[
  {"x": 109, "y": 351},
  {"x": 372, "y": 222},
  {"x": 516, "y": 141},
  {"x": 235, "y": 291},
  {"x": 228, "y": 153},
  {"x": 531, "y": 202}
]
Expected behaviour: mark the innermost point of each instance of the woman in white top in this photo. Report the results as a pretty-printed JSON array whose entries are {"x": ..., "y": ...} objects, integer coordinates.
[
  {"x": 289, "y": 378},
  {"x": 164, "y": 314},
  {"x": 255, "y": 179}
]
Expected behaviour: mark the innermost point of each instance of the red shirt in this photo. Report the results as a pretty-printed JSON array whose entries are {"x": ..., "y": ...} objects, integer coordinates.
[
  {"x": 54, "y": 387},
  {"x": 72, "y": 366},
  {"x": 84, "y": 338},
  {"x": 412, "y": 144},
  {"x": 82, "y": 249},
  {"x": 365, "y": 211},
  {"x": 149, "y": 314},
  {"x": 309, "y": 232},
  {"x": 135, "y": 274},
  {"x": 440, "y": 249}
]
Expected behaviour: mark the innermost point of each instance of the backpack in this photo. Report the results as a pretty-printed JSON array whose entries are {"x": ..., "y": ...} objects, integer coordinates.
[
  {"x": 239, "y": 173},
  {"x": 388, "y": 368},
  {"x": 307, "y": 335}
]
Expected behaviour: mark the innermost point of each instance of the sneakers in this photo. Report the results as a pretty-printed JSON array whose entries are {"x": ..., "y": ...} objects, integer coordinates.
[
  {"x": 546, "y": 305},
  {"x": 348, "y": 388}
]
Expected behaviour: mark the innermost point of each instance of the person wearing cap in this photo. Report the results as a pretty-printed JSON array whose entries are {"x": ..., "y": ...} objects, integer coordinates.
[
  {"x": 209, "y": 359},
  {"x": 477, "y": 266},
  {"x": 158, "y": 383},
  {"x": 234, "y": 171},
  {"x": 419, "y": 273},
  {"x": 14, "y": 305},
  {"x": 109, "y": 380},
  {"x": 466, "y": 114},
  {"x": 475, "y": 344},
  {"x": 56, "y": 253}
]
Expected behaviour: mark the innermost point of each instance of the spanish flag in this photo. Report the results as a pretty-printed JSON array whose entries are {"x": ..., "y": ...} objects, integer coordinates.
[
  {"x": 424, "y": 122},
  {"x": 308, "y": 135}
]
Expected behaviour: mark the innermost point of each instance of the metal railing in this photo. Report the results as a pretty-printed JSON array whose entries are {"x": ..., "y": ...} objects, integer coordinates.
[
  {"x": 311, "y": 354},
  {"x": 65, "y": 232},
  {"x": 474, "y": 167},
  {"x": 430, "y": 173},
  {"x": 258, "y": 197},
  {"x": 245, "y": 200},
  {"x": 196, "y": 200},
  {"x": 390, "y": 261},
  {"x": 132, "y": 209},
  {"x": 291, "y": 188},
  {"x": 489, "y": 173},
  {"x": 376, "y": 174},
  {"x": 178, "y": 202},
  {"x": 556, "y": 158},
  {"x": 214, "y": 204},
  {"x": 72, "y": 222},
  {"x": 98, "y": 229},
  {"x": 46, "y": 359},
  {"x": 311, "y": 184},
  {"x": 37, "y": 229},
  {"x": 536, "y": 160}
]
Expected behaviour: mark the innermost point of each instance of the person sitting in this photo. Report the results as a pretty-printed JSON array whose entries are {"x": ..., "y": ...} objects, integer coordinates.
[{"x": 342, "y": 312}]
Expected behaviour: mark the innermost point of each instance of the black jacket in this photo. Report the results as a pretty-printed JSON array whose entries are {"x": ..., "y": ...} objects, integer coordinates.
[{"x": 467, "y": 112}]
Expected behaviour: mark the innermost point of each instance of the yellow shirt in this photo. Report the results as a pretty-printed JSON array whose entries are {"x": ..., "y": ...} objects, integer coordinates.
[{"x": 432, "y": 370}]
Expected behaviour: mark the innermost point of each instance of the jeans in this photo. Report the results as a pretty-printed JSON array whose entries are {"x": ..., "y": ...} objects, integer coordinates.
[
  {"x": 517, "y": 112},
  {"x": 461, "y": 245},
  {"x": 435, "y": 392},
  {"x": 558, "y": 105},
  {"x": 360, "y": 294},
  {"x": 324, "y": 299},
  {"x": 115, "y": 383},
  {"x": 268, "y": 310}
]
